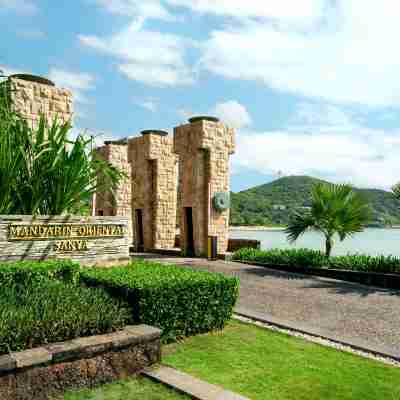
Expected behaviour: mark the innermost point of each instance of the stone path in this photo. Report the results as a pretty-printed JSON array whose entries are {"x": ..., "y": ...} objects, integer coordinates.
[
  {"x": 359, "y": 315},
  {"x": 187, "y": 384}
]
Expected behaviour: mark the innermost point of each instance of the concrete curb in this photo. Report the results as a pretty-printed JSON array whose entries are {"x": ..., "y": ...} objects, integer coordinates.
[
  {"x": 187, "y": 384},
  {"x": 378, "y": 351}
]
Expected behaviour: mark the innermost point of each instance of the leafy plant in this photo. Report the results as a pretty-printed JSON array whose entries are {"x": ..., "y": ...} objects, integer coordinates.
[
  {"x": 30, "y": 272},
  {"x": 335, "y": 210},
  {"x": 306, "y": 258},
  {"x": 180, "y": 301},
  {"x": 42, "y": 170},
  {"x": 47, "y": 311},
  {"x": 290, "y": 257}
]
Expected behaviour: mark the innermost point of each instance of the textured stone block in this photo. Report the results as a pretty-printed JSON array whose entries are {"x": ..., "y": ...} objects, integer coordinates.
[
  {"x": 31, "y": 357},
  {"x": 7, "y": 363}
]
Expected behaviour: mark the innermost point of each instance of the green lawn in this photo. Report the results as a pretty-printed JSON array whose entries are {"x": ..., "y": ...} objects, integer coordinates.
[
  {"x": 262, "y": 364},
  {"x": 132, "y": 389}
]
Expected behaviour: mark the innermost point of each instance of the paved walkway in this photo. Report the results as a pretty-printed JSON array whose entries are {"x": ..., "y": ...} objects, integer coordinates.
[
  {"x": 187, "y": 384},
  {"x": 360, "y": 315}
]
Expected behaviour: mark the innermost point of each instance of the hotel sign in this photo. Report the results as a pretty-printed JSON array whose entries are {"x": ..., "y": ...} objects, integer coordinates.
[{"x": 66, "y": 237}]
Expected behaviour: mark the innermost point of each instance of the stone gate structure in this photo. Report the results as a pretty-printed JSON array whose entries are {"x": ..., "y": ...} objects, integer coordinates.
[
  {"x": 148, "y": 194},
  {"x": 118, "y": 203},
  {"x": 203, "y": 146},
  {"x": 32, "y": 96},
  {"x": 154, "y": 181},
  {"x": 148, "y": 197}
]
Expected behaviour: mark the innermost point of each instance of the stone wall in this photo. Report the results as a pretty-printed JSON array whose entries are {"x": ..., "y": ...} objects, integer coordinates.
[
  {"x": 154, "y": 189},
  {"x": 204, "y": 148},
  {"x": 89, "y": 240},
  {"x": 46, "y": 372},
  {"x": 119, "y": 204},
  {"x": 31, "y": 99}
]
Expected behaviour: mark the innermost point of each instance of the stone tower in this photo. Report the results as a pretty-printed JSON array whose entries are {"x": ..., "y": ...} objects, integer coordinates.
[
  {"x": 31, "y": 96},
  {"x": 204, "y": 146},
  {"x": 154, "y": 183},
  {"x": 119, "y": 204}
]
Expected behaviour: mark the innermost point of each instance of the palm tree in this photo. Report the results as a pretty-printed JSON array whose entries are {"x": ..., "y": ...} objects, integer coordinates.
[{"x": 335, "y": 210}]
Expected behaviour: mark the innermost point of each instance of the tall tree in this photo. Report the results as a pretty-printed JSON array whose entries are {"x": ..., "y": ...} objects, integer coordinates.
[{"x": 335, "y": 210}]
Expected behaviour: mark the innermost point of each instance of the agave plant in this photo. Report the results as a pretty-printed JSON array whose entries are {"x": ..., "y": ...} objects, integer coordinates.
[
  {"x": 43, "y": 172},
  {"x": 335, "y": 210}
]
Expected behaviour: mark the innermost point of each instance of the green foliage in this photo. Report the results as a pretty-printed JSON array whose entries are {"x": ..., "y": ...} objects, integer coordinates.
[
  {"x": 258, "y": 205},
  {"x": 304, "y": 258},
  {"x": 180, "y": 301},
  {"x": 45, "y": 311},
  {"x": 31, "y": 272},
  {"x": 290, "y": 257},
  {"x": 335, "y": 210},
  {"x": 43, "y": 171}
]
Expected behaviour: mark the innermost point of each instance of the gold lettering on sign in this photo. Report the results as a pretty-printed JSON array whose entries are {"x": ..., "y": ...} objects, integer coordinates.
[
  {"x": 70, "y": 245},
  {"x": 63, "y": 231}
]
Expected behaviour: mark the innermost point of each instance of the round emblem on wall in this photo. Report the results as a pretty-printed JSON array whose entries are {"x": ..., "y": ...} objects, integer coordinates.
[{"x": 221, "y": 201}]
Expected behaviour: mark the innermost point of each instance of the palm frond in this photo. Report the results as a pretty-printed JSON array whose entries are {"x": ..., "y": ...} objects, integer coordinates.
[{"x": 298, "y": 225}]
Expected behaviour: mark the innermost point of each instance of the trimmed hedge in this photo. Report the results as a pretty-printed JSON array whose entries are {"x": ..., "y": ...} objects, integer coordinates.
[
  {"x": 306, "y": 258},
  {"x": 29, "y": 272},
  {"x": 46, "y": 311},
  {"x": 180, "y": 301}
]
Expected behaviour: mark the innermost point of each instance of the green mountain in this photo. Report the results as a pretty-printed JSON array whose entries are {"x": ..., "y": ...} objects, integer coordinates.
[{"x": 273, "y": 203}]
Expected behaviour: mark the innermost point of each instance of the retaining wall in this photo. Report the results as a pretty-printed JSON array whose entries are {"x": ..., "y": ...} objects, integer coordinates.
[{"x": 44, "y": 372}]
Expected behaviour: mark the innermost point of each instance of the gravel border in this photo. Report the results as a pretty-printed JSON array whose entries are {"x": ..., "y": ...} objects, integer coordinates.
[{"x": 318, "y": 340}]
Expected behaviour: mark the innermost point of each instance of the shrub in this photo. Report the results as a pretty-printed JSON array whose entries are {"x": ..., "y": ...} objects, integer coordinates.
[
  {"x": 312, "y": 258},
  {"x": 46, "y": 311},
  {"x": 28, "y": 272},
  {"x": 365, "y": 263},
  {"x": 180, "y": 301},
  {"x": 291, "y": 257}
]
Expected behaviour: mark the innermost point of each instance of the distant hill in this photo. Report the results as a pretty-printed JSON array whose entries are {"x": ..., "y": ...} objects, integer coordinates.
[{"x": 273, "y": 203}]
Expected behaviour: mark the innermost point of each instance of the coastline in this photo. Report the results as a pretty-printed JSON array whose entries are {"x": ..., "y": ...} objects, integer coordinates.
[{"x": 257, "y": 228}]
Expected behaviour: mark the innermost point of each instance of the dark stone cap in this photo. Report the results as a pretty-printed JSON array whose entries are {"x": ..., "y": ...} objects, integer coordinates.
[
  {"x": 120, "y": 141},
  {"x": 33, "y": 78},
  {"x": 154, "y": 132},
  {"x": 203, "y": 118}
]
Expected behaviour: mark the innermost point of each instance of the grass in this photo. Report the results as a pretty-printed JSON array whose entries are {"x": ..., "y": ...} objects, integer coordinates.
[
  {"x": 262, "y": 364},
  {"x": 131, "y": 389}
]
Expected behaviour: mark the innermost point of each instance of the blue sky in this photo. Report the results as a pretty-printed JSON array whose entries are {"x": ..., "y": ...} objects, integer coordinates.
[{"x": 312, "y": 86}]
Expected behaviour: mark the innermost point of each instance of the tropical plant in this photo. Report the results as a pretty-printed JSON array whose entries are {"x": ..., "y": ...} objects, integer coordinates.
[
  {"x": 335, "y": 210},
  {"x": 43, "y": 171}
]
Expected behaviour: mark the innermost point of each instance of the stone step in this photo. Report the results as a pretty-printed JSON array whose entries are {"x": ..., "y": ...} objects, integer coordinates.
[{"x": 189, "y": 385}]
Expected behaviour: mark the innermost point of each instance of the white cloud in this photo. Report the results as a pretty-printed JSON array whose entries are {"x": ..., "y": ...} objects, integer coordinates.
[
  {"x": 148, "y": 104},
  {"x": 370, "y": 160},
  {"x": 323, "y": 117},
  {"x": 233, "y": 114},
  {"x": 348, "y": 55},
  {"x": 21, "y": 7},
  {"x": 137, "y": 8},
  {"x": 325, "y": 141},
  {"x": 153, "y": 58},
  {"x": 6, "y": 70},
  {"x": 77, "y": 82},
  {"x": 255, "y": 8},
  {"x": 98, "y": 138}
]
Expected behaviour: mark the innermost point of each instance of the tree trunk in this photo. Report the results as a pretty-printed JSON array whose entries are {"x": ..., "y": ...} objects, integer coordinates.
[{"x": 328, "y": 246}]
